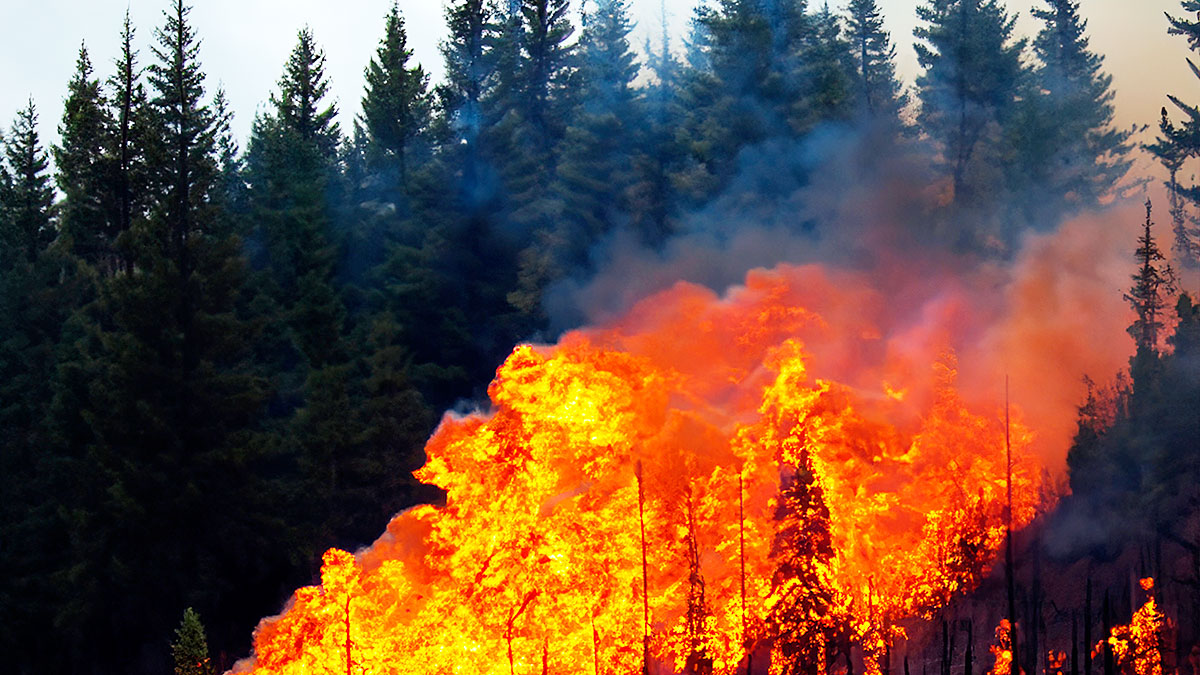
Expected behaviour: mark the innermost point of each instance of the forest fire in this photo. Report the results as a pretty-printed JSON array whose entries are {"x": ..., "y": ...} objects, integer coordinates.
[
  {"x": 706, "y": 480},
  {"x": 1137, "y": 648}
]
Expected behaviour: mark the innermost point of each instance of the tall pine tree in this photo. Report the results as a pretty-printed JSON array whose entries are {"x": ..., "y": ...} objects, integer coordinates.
[
  {"x": 968, "y": 92},
  {"x": 396, "y": 107},
  {"x": 171, "y": 409},
  {"x": 83, "y": 170},
  {"x": 878, "y": 94},
  {"x": 1070, "y": 154}
]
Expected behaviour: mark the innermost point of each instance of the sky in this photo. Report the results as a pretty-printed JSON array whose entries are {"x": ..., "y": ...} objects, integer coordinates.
[{"x": 244, "y": 44}]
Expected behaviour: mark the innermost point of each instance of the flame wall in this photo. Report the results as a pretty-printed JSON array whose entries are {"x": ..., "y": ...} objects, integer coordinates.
[{"x": 838, "y": 435}]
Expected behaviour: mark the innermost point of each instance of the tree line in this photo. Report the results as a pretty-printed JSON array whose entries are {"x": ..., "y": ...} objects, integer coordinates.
[{"x": 216, "y": 362}]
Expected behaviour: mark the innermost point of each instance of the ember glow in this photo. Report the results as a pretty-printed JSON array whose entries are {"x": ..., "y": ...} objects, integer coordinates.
[{"x": 785, "y": 471}]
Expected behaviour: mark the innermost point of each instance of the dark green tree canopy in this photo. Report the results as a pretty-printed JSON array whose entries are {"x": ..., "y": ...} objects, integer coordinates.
[
  {"x": 396, "y": 106},
  {"x": 28, "y": 197},
  {"x": 969, "y": 87}
]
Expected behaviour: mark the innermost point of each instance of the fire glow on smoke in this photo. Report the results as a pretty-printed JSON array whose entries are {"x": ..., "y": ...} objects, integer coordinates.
[{"x": 800, "y": 463}]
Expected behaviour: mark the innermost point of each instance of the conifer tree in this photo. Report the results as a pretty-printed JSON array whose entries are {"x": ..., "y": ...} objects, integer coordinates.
[
  {"x": 190, "y": 648},
  {"x": 651, "y": 194},
  {"x": 1171, "y": 150},
  {"x": 37, "y": 292},
  {"x": 1180, "y": 142},
  {"x": 745, "y": 86},
  {"x": 828, "y": 90},
  {"x": 129, "y": 142},
  {"x": 1151, "y": 282},
  {"x": 28, "y": 197},
  {"x": 86, "y": 209},
  {"x": 171, "y": 406},
  {"x": 595, "y": 169},
  {"x": 543, "y": 101},
  {"x": 969, "y": 88},
  {"x": 396, "y": 106},
  {"x": 877, "y": 91},
  {"x": 1070, "y": 152}
]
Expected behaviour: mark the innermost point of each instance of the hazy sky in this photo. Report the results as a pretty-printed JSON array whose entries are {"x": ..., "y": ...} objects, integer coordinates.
[{"x": 245, "y": 42}]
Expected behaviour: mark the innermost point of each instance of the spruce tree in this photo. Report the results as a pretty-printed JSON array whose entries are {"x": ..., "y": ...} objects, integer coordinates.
[
  {"x": 38, "y": 290},
  {"x": 86, "y": 209},
  {"x": 542, "y": 103},
  {"x": 190, "y": 648},
  {"x": 171, "y": 408},
  {"x": 396, "y": 107},
  {"x": 968, "y": 90},
  {"x": 878, "y": 94},
  {"x": 1071, "y": 154},
  {"x": 651, "y": 194},
  {"x": 745, "y": 87},
  {"x": 828, "y": 90},
  {"x": 128, "y": 143},
  {"x": 1180, "y": 142},
  {"x": 28, "y": 197},
  {"x": 595, "y": 168},
  {"x": 1151, "y": 282}
]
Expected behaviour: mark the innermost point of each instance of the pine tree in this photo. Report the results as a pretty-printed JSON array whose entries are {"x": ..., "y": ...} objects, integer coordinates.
[
  {"x": 129, "y": 141},
  {"x": 1152, "y": 281},
  {"x": 828, "y": 91},
  {"x": 468, "y": 79},
  {"x": 877, "y": 91},
  {"x": 38, "y": 291},
  {"x": 171, "y": 407},
  {"x": 595, "y": 169},
  {"x": 1171, "y": 150},
  {"x": 190, "y": 649},
  {"x": 969, "y": 89},
  {"x": 651, "y": 194},
  {"x": 28, "y": 197},
  {"x": 291, "y": 167},
  {"x": 745, "y": 87},
  {"x": 396, "y": 107},
  {"x": 1070, "y": 152},
  {"x": 802, "y": 542},
  {"x": 82, "y": 167},
  {"x": 1181, "y": 142},
  {"x": 542, "y": 103}
]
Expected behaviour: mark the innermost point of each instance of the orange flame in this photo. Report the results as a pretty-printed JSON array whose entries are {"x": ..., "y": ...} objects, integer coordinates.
[
  {"x": 1137, "y": 647},
  {"x": 699, "y": 421}
]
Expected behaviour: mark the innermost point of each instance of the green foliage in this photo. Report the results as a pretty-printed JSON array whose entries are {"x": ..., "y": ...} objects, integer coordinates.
[
  {"x": 969, "y": 91},
  {"x": 877, "y": 91},
  {"x": 1151, "y": 282},
  {"x": 1069, "y": 155},
  {"x": 28, "y": 196},
  {"x": 1176, "y": 144},
  {"x": 83, "y": 167},
  {"x": 190, "y": 649},
  {"x": 396, "y": 106}
]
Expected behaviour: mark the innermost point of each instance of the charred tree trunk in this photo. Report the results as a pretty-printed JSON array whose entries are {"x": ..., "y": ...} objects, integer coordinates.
[
  {"x": 1087, "y": 629},
  {"x": 1034, "y": 617},
  {"x": 1074, "y": 643},
  {"x": 349, "y": 659},
  {"x": 742, "y": 565},
  {"x": 698, "y": 662},
  {"x": 1008, "y": 551},
  {"x": 945, "y": 647},
  {"x": 1110, "y": 666},
  {"x": 645, "y": 575},
  {"x": 969, "y": 657}
]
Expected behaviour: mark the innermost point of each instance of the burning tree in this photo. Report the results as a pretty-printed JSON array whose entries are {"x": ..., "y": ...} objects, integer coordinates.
[
  {"x": 771, "y": 508},
  {"x": 1137, "y": 647}
]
